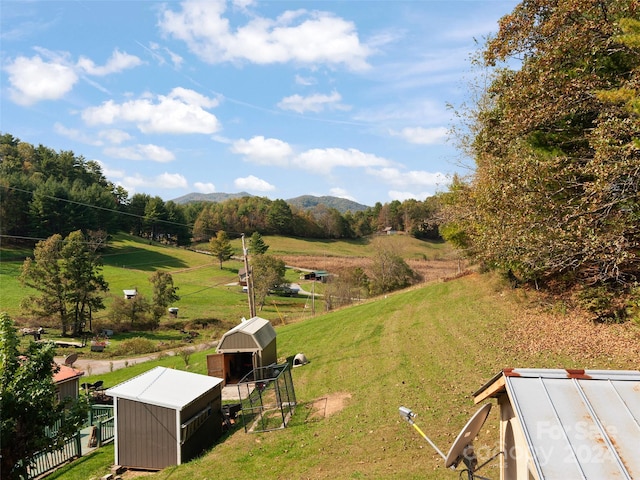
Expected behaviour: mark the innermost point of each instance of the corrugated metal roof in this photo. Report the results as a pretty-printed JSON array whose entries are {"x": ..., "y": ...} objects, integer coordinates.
[
  {"x": 255, "y": 332},
  {"x": 165, "y": 387},
  {"x": 578, "y": 423}
]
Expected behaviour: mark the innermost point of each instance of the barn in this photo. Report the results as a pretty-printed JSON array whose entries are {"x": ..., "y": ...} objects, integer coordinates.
[
  {"x": 165, "y": 417},
  {"x": 249, "y": 345},
  {"x": 557, "y": 424}
]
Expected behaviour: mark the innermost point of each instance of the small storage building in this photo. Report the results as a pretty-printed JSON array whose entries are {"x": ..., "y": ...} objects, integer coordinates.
[
  {"x": 248, "y": 346},
  {"x": 559, "y": 424},
  {"x": 67, "y": 382},
  {"x": 165, "y": 417}
]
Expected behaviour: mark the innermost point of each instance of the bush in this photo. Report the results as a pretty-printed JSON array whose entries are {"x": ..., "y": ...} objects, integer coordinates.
[{"x": 134, "y": 346}]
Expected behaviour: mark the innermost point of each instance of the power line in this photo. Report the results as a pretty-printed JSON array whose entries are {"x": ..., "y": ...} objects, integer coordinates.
[
  {"x": 118, "y": 212},
  {"x": 112, "y": 210}
]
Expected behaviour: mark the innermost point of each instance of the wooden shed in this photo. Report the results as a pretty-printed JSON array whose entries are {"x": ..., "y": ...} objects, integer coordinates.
[
  {"x": 66, "y": 380},
  {"x": 165, "y": 417},
  {"x": 249, "y": 345}
]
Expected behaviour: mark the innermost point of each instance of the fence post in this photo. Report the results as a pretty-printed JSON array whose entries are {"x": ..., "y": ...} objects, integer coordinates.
[
  {"x": 99, "y": 434},
  {"x": 78, "y": 442}
]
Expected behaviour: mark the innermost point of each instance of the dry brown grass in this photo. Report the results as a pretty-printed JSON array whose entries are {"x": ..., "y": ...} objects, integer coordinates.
[
  {"x": 540, "y": 332},
  {"x": 428, "y": 270}
]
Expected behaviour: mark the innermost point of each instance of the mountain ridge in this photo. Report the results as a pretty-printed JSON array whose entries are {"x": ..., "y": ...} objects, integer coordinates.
[{"x": 303, "y": 202}]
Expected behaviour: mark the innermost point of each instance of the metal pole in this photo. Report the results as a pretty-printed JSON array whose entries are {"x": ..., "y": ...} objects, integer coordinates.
[{"x": 252, "y": 306}]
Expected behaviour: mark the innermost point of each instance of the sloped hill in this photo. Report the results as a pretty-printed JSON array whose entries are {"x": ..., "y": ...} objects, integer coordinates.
[
  {"x": 343, "y": 205},
  {"x": 304, "y": 202},
  {"x": 209, "y": 197},
  {"x": 428, "y": 349}
]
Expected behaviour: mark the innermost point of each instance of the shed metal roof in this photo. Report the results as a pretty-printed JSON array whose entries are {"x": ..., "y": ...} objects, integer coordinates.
[
  {"x": 256, "y": 333},
  {"x": 577, "y": 423},
  {"x": 165, "y": 387}
]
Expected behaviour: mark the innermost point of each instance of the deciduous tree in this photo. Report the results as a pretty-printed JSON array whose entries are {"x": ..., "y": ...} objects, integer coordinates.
[
  {"x": 267, "y": 272},
  {"x": 164, "y": 293},
  {"x": 29, "y": 404},
  {"x": 389, "y": 271},
  {"x": 555, "y": 195}
]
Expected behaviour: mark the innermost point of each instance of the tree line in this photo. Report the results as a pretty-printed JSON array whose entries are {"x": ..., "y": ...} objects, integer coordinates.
[
  {"x": 554, "y": 200},
  {"x": 44, "y": 192}
]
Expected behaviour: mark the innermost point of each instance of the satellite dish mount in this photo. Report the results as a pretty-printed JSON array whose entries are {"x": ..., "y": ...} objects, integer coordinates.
[{"x": 462, "y": 448}]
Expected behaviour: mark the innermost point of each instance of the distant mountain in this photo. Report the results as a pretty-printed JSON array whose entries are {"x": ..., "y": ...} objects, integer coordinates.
[
  {"x": 209, "y": 197},
  {"x": 304, "y": 202},
  {"x": 343, "y": 205}
]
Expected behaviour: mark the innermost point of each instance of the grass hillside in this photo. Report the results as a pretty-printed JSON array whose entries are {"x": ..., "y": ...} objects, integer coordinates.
[
  {"x": 426, "y": 348},
  {"x": 206, "y": 291}
]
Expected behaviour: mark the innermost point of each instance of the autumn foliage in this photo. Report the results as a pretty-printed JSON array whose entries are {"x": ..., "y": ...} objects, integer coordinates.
[{"x": 554, "y": 199}]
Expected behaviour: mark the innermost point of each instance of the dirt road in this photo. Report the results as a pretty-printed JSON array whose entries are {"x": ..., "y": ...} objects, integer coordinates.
[{"x": 94, "y": 366}]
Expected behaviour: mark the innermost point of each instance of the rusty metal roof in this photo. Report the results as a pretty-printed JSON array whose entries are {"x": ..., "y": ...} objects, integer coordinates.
[
  {"x": 66, "y": 373},
  {"x": 577, "y": 423}
]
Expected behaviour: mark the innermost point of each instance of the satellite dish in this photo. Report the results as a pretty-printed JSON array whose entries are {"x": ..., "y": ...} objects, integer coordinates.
[
  {"x": 70, "y": 359},
  {"x": 465, "y": 438}
]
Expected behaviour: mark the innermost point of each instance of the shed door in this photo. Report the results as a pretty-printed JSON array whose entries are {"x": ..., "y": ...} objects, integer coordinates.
[{"x": 215, "y": 365}]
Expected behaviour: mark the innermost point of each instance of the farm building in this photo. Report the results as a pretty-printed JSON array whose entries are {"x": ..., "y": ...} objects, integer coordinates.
[
  {"x": 130, "y": 294},
  {"x": 66, "y": 380},
  {"x": 249, "y": 345},
  {"x": 558, "y": 424},
  {"x": 165, "y": 417},
  {"x": 318, "y": 275}
]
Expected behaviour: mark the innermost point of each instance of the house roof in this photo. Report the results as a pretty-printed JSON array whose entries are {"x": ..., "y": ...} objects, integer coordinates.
[
  {"x": 255, "y": 333},
  {"x": 65, "y": 374},
  {"x": 165, "y": 387},
  {"x": 577, "y": 423}
]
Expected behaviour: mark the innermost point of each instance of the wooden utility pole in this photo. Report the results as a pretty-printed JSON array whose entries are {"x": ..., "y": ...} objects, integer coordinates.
[{"x": 249, "y": 280}]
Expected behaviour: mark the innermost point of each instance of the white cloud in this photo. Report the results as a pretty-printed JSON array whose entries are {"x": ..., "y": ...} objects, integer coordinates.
[
  {"x": 118, "y": 62},
  {"x": 164, "y": 180},
  {"x": 307, "y": 37},
  {"x": 341, "y": 193},
  {"x": 305, "y": 81},
  {"x": 421, "y": 178},
  {"x": 423, "y": 136},
  {"x": 141, "y": 152},
  {"x": 171, "y": 180},
  {"x": 75, "y": 134},
  {"x": 204, "y": 187},
  {"x": 254, "y": 184},
  {"x": 263, "y": 151},
  {"x": 32, "y": 80},
  {"x": 312, "y": 103},
  {"x": 110, "y": 172},
  {"x": 402, "y": 196},
  {"x": 115, "y": 136},
  {"x": 182, "y": 111},
  {"x": 324, "y": 160},
  {"x": 35, "y": 79}
]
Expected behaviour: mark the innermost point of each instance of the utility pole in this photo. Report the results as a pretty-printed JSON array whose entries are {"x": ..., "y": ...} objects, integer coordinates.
[{"x": 249, "y": 280}]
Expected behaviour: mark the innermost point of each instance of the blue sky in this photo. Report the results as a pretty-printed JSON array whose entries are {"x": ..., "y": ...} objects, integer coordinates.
[{"x": 279, "y": 99}]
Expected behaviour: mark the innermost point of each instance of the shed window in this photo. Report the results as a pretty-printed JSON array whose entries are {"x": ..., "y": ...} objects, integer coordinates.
[{"x": 190, "y": 427}]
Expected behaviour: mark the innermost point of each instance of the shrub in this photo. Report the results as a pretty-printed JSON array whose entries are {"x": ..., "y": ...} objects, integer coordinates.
[{"x": 134, "y": 346}]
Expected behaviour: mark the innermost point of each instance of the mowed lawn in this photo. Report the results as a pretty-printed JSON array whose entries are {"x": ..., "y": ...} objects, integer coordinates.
[
  {"x": 206, "y": 291},
  {"x": 428, "y": 348}
]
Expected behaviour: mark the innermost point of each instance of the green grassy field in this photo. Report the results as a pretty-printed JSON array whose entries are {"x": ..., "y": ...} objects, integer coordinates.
[
  {"x": 206, "y": 290},
  {"x": 427, "y": 348}
]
